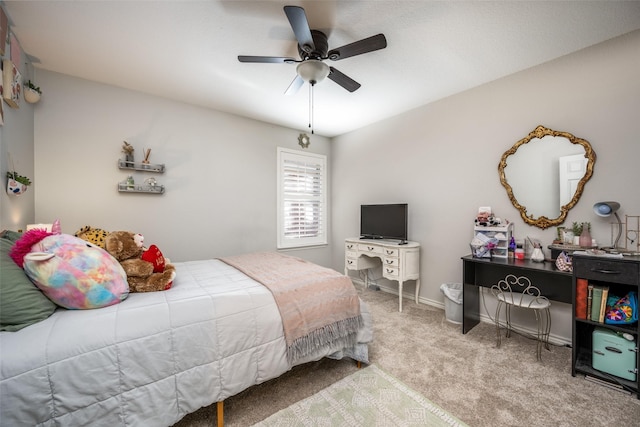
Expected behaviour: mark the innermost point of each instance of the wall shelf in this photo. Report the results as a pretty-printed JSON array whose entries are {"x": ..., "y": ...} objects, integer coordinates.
[
  {"x": 142, "y": 167},
  {"x": 123, "y": 187}
]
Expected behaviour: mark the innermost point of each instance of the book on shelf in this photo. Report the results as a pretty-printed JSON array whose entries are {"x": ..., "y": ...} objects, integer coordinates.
[
  {"x": 603, "y": 303},
  {"x": 589, "y": 300},
  {"x": 595, "y": 303},
  {"x": 581, "y": 298}
]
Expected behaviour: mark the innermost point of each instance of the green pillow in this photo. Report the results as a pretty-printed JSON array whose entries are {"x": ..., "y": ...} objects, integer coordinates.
[
  {"x": 10, "y": 235},
  {"x": 21, "y": 302}
]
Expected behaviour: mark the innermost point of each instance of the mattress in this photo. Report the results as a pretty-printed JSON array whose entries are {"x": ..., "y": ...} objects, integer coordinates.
[{"x": 153, "y": 358}]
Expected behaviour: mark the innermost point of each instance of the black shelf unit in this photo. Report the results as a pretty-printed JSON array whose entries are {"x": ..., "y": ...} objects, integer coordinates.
[{"x": 622, "y": 275}]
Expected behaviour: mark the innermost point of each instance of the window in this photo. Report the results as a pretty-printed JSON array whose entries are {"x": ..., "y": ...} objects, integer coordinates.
[{"x": 302, "y": 199}]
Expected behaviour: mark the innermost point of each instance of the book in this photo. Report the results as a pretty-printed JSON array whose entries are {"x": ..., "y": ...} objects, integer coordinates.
[
  {"x": 589, "y": 300},
  {"x": 603, "y": 303},
  {"x": 581, "y": 298},
  {"x": 595, "y": 303}
]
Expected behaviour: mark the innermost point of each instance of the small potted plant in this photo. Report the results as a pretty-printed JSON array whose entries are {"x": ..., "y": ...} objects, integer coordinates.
[
  {"x": 16, "y": 183},
  {"x": 32, "y": 92}
]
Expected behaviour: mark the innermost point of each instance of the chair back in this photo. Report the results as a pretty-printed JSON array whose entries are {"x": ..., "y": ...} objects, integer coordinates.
[{"x": 518, "y": 291}]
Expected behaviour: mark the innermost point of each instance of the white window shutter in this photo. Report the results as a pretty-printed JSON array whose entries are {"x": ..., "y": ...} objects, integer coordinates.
[{"x": 301, "y": 199}]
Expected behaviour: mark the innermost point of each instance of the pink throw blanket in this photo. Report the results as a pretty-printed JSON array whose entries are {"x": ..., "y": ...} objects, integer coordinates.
[{"x": 319, "y": 306}]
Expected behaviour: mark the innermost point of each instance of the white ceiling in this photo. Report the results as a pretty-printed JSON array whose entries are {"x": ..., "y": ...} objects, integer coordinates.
[{"x": 187, "y": 50}]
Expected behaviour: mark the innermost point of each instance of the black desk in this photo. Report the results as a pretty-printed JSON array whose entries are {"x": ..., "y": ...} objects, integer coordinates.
[{"x": 553, "y": 283}]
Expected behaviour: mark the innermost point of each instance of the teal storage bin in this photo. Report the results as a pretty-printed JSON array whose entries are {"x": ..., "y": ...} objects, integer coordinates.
[{"x": 614, "y": 354}]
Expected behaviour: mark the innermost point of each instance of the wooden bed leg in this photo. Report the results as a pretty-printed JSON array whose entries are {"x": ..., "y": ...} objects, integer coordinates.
[
  {"x": 359, "y": 364},
  {"x": 220, "y": 411}
]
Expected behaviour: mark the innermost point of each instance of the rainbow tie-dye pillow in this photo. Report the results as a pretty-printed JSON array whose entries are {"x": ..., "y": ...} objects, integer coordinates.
[{"x": 74, "y": 273}]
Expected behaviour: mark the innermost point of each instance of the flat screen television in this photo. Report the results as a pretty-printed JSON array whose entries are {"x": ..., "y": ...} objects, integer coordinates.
[{"x": 389, "y": 221}]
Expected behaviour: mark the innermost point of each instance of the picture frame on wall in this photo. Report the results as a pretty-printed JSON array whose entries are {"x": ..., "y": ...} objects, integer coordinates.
[
  {"x": 4, "y": 30},
  {"x": 12, "y": 82},
  {"x": 1, "y": 95}
]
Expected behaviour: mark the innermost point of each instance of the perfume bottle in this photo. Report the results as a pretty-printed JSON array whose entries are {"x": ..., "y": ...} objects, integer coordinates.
[{"x": 512, "y": 248}]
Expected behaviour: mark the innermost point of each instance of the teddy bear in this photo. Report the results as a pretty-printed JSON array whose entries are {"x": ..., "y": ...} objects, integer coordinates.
[
  {"x": 147, "y": 270},
  {"x": 92, "y": 235}
]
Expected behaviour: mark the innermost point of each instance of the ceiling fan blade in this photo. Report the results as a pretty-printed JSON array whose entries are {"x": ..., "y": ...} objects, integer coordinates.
[
  {"x": 343, "y": 80},
  {"x": 300, "y": 25},
  {"x": 369, "y": 44},
  {"x": 266, "y": 59},
  {"x": 295, "y": 85}
]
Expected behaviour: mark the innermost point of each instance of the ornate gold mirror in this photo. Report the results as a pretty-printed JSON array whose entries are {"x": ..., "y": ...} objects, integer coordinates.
[{"x": 544, "y": 174}]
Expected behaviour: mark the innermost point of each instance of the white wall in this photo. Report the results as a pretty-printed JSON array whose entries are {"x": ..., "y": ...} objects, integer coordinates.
[
  {"x": 443, "y": 158},
  {"x": 220, "y": 175},
  {"x": 16, "y": 151}
]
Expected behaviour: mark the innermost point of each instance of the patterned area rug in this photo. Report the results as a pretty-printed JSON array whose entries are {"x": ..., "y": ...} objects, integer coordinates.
[{"x": 370, "y": 397}]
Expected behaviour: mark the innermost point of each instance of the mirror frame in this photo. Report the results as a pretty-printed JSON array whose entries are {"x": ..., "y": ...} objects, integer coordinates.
[{"x": 540, "y": 132}]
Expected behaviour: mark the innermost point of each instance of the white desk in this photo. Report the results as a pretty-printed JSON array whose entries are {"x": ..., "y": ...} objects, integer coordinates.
[{"x": 399, "y": 262}]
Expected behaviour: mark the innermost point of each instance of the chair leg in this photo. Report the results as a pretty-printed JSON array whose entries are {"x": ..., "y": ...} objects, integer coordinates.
[
  {"x": 508, "y": 317},
  {"x": 543, "y": 320},
  {"x": 548, "y": 330},
  {"x": 497, "y": 320},
  {"x": 539, "y": 336}
]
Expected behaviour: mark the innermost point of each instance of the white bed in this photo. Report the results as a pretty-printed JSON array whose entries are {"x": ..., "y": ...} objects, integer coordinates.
[{"x": 153, "y": 358}]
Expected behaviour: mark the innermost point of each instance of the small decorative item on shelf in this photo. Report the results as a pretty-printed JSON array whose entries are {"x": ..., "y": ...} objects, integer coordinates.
[
  {"x": 128, "y": 150},
  {"x": 16, "y": 183},
  {"x": 145, "y": 162},
  {"x": 32, "y": 92},
  {"x": 577, "y": 228},
  {"x": 151, "y": 182},
  {"x": 130, "y": 183},
  {"x": 585, "y": 237},
  {"x": 537, "y": 255},
  {"x": 512, "y": 248}
]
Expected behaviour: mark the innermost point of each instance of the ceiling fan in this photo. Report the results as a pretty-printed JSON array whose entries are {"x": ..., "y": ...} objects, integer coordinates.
[{"x": 313, "y": 48}]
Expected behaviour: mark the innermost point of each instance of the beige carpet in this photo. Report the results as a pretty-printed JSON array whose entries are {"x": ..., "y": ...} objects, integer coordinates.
[{"x": 464, "y": 374}]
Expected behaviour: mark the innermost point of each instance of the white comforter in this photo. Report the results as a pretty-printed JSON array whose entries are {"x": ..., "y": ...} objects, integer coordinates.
[{"x": 151, "y": 359}]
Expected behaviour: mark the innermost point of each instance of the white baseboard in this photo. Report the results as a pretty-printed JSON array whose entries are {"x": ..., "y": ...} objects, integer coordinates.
[{"x": 553, "y": 339}]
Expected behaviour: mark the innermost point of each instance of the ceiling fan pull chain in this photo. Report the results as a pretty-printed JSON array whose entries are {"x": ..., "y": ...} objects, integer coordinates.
[{"x": 311, "y": 85}]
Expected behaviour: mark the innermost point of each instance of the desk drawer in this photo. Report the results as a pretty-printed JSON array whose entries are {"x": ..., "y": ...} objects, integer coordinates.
[
  {"x": 391, "y": 252},
  {"x": 360, "y": 263},
  {"x": 351, "y": 254},
  {"x": 390, "y": 272},
  {"x": 350, "y": 246},
  {"x": 373, "y": 249},
  {"x": 390, "y": 262},
  {"x": 608, "y": 271}
]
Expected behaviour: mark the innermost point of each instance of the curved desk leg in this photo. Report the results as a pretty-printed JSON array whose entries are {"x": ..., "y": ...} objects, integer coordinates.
[
  {"x": 400, "y": 295},
  {"x": 417, "y": 290}
]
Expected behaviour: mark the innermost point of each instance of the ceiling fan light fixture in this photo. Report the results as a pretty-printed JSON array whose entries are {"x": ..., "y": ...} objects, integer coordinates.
[{"x": 313, "y": 70}]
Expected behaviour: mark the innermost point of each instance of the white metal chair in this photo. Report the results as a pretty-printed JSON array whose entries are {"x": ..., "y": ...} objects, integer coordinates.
[{"x": 515, "y": 291}]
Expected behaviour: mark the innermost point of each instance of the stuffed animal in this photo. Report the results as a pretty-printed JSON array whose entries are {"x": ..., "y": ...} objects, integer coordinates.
[
  {"x": 71, "y": 272},
  {"x": 92, "y": 235},
  {"x": 147, "y": 270}
]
